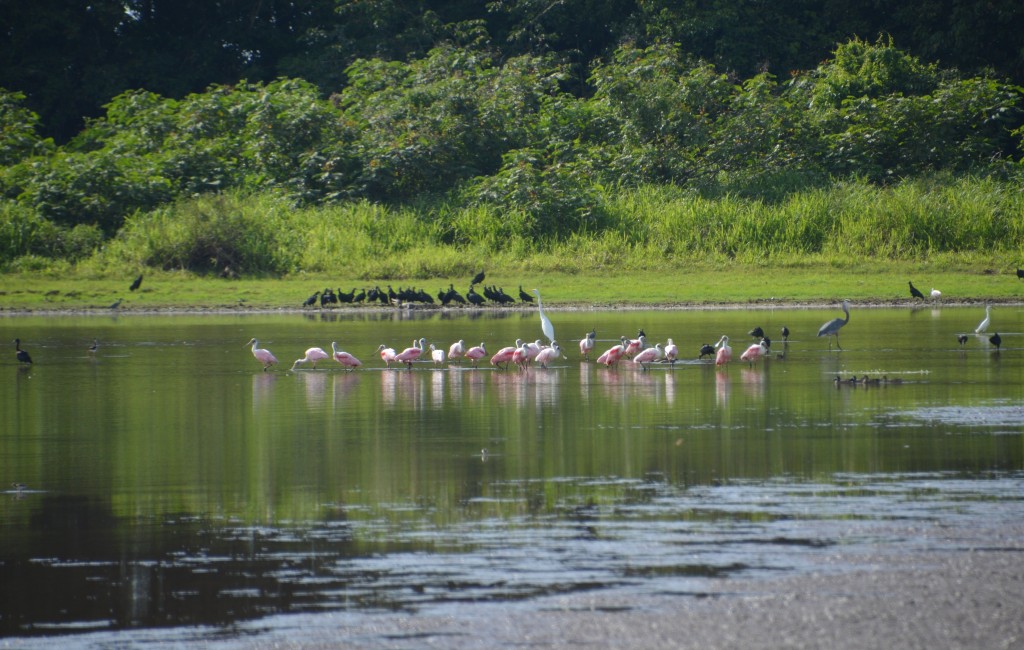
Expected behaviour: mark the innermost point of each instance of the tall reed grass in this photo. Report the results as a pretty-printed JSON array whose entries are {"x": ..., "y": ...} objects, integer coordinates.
[{"x": 974, "y": 220}]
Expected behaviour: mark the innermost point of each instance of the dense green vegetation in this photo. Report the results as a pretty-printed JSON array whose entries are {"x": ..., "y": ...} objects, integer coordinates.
[{"x": 466, "y": 153}]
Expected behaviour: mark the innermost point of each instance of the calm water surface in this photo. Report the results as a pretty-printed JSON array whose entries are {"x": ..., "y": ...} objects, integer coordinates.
[{"x": 171, "y": 486}]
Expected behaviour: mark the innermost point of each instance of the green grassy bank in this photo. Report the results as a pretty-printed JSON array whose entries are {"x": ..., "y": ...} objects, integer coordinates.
[{"x": 739, "y": 284}]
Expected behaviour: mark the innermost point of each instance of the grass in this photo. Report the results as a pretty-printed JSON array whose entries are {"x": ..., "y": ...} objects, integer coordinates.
[{"x": 739, "y": 284}]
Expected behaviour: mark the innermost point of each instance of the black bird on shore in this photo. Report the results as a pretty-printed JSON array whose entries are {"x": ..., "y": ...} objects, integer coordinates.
[
  {"x": 477, "y": 279},
  {"x": 23, "y": 357},
  {"x": 136, "y": 284},
  {"x": 1020, "y": 273},
  {"x": 474, "y": 297},
  {"x": 311, "y": 301},
  {"x": 454, "y": 295},
  {"x": 996, "y": 340},
  {"x": 914, "y": 293},
  {"x": 525, "y": 297}
]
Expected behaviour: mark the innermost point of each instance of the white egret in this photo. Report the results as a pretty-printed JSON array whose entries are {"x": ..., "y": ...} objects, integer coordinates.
[
  {"x": 983, "y": 325},
  {"x": 545, "y": 322}
]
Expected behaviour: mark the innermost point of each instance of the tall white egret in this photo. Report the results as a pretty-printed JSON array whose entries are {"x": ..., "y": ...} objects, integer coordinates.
[
  {"x": 983, "y": 325},
  {"x": 832, "y": 327},
  {"x": 545, "y": 322}
]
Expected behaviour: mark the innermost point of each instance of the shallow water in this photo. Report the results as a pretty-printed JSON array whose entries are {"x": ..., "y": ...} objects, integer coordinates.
[{"x": 169, "y": 483}]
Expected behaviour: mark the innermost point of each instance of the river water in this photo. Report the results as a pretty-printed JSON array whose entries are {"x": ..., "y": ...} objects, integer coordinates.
[{"x": 165, "y": 489}]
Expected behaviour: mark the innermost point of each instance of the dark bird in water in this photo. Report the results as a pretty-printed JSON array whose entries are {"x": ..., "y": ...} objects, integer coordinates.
[
  {"x": 996, "y": 340},
  {"x": 706, "y": 350},
  {"x": 914, "y": 293},
  {"x": 477, "y": 279},
  {"x": 95, "y": 346},
  {"x": 525, "y": 297},
  {"x": 832, "y": 327},
  {"x": 116, "y": 303},
  {"x": 23, "y": 357},
  {"x": 1020, "y": 273},
  {"x": 135, "y": 285},
  {"x": 962, "y": 339},
  {"x": 757, "y": 332},
  {"x": 785, "y": 333}
]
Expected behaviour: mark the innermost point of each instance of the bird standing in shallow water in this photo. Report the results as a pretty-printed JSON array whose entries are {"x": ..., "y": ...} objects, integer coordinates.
[
  {"x": 961, "y": 339},
  {"x": 995, "y": 339},
  {"x": 724, "y": 354},
  {"x": 23, "y": 357},
  {"x": 436, "y": 355},
  {"x": 95, "y": 346},
  {"x": 410, "y": 354},
  {"x": 832, "y": 327},
  {"x": 587, "y": 344},
  {"x": 754, "y": 352},
  {"x": 983, "y": 325},
  {"x": 785, "y": 333},
  {"x": 706, "y": 350},
  {"x": 263, "y": 356},
  {"x": 312, "y": 356},
  {"x": 545, "y": 322},
  {"x": 476, "y": 353},
  {"x": 344, "y": 358},
  {"x": 457, "y": 350},
  {"x": 387, "y": 355}
]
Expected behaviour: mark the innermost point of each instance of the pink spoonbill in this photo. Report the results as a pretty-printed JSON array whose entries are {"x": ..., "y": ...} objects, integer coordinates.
[
  {"x": 408, "y": 355},
  {"x": 457, "y": 350},
  {"x": 754, "y": 352},
  {"x": 263, "y": 356},
  {"x": 724, "y": 354},
  {"x": 387, "y": 355},
  {"x": 313, "y": 355},
  {"x": 612, "y": 355},
  {"x": 648, "y": 356},
  {"x": 671, "y": 351},
  {"x": 476, "y": 353},
  {"x": 548, "y": 354},
  {"x": 635, "y": 346},
  {"x": 504, "y": 355},
  {"x": 344, "y": 358}
]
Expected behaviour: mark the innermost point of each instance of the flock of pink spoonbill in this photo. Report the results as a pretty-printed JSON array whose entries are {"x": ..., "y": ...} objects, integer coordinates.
[{"x": 526, "y": 353}]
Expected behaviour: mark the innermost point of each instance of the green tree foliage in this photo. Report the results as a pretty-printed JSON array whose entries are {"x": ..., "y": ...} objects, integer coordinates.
[{"x": 462, "y": 129}]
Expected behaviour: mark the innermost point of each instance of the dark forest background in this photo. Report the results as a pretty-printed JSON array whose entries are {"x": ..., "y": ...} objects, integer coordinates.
[{"x": 70, "y": 58}]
